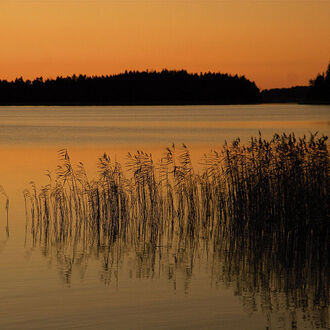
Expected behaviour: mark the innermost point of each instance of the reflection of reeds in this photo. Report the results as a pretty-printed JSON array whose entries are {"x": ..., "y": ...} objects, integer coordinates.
[{"x": 258, "y": 213}]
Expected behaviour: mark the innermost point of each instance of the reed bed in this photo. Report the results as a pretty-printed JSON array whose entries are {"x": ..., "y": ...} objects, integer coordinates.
[
  {"x": 281, "y": 184},
  {"x": 258, "y": 213}
]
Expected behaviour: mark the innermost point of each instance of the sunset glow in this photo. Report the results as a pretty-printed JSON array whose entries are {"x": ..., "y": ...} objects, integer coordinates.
[{"x": 275, "y": 43}]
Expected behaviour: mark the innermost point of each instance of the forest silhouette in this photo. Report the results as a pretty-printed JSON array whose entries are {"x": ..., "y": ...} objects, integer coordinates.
[
  {"x": 133, "y": 87},
  {"x": 318, "y": 92},
  {"x": 166, "y": 87}
]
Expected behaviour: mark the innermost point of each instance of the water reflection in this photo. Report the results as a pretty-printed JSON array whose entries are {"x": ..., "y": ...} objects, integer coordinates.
[
  {"x": 98, "y": 126},
  {"x": 270, "y": 276},
  {"x": 243, "y": 221}
]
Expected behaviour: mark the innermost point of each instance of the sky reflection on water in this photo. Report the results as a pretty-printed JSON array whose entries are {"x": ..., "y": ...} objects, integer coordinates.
[{"x": 186, "y": 282}]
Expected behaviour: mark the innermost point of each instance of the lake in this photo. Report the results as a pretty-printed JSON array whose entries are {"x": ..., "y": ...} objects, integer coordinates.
[{"x": 66, "y": 283}]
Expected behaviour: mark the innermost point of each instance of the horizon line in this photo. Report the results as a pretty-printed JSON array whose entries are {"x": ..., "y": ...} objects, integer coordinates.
[{"x": 127, "y": 71}]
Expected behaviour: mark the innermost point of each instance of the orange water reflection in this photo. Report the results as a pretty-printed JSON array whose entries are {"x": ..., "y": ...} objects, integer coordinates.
[{"x": 30, "y": 280}]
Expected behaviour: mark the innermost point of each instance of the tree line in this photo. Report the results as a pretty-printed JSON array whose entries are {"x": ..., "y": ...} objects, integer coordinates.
[
  {"x": 132, "y": 87},
  {"x": 152, "y": 87},
  {"x": 317, "y": 92}
]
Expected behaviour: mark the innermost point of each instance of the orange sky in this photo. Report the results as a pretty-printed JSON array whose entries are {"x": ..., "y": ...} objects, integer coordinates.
[{"x": 276, "y": 43}]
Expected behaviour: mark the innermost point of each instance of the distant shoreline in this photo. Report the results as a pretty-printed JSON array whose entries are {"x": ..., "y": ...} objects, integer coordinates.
[
  {"x": 132, "y": 88},
  {"x": 128, "y": 104},
  {"x": 158, "y": 88},
  {"x": 154, "y": 104}
]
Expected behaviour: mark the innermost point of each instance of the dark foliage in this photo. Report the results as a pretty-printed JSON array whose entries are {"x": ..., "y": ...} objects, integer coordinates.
[
  {"x": 295, "y": 94},
  {"x": 320, "y": 88},
  {"x": 317, "y": 92},
  {"x": 134, "y": 87}
]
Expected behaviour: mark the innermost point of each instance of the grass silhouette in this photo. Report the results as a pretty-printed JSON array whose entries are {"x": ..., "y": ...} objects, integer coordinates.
[{"x": 258, "y": 213}]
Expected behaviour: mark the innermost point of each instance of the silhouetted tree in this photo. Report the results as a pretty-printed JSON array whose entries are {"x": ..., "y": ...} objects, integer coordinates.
[{"x": 320, "y": 87}]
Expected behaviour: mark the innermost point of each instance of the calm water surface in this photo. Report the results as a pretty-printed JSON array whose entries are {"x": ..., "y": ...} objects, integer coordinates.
[
  {"x": 58, "y": 287},
  {"x": 153, "y": 126}
]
